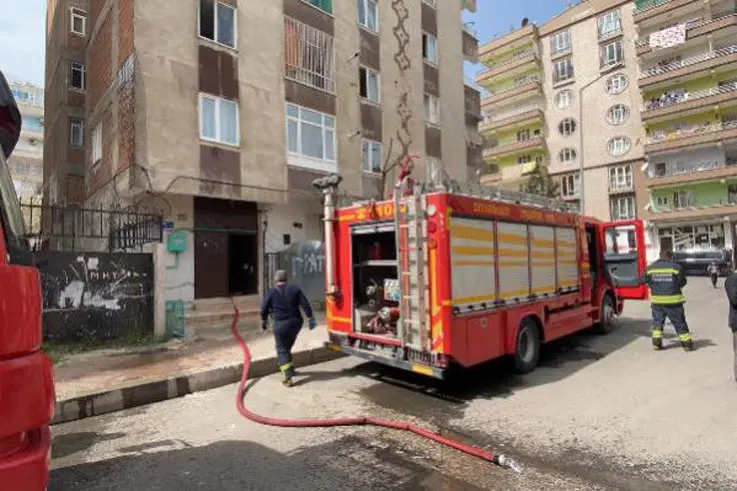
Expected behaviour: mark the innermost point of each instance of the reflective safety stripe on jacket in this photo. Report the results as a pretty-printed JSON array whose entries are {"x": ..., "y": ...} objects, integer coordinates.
[
  {"x": 665, "y": 280},
  {"x": 667, "y": 299}
]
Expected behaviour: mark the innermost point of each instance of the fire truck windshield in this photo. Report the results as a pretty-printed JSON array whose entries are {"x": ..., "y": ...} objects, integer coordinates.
[{"x": 12, "y": 218}]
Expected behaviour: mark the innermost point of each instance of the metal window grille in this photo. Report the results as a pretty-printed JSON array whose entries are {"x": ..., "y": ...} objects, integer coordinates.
[{"x": 310, "y": 55}]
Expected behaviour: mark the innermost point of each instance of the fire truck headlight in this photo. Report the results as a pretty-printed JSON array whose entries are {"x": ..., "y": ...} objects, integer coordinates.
[{"x": 431, "y": 210}]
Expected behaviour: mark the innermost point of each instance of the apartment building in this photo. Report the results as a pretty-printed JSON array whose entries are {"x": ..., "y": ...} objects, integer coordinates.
[
  {"x": 26, "y": 163},
  {"x": 687, "y": 52},
  {"x": 218, "y": 114},
  {"x": 563, "y": 95}
]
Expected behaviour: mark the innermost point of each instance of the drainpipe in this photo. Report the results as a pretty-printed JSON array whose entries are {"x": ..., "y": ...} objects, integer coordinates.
[{"x": 328, "y": 185}]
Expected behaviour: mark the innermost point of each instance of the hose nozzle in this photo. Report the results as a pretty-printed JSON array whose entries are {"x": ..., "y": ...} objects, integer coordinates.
[{"x": 508, "y": 463}]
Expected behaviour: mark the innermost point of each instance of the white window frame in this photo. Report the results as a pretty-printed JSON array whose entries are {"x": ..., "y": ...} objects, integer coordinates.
[
  {"x": 367, "y": 73},
  {"x": 79, "y": 125},
  {"x": 431, "y": 104},
  {"x": 567, "y": 155},
  {"x": 570, "y": 185},
  {"x": 431, "y": 3},
  {"x": 610, "y": 23},
  {"x": 426, "y": 38},
  {"x": 77, "y": 13},
  {"x": 618, "y": 146},
  {"x": 611, "y": 54},
  {"x": 96, "y": 151},
  {"x": 563, "y": 70},
  {"x": 299, "y": 159},
  {"x": 216, "y": 27},
  {"x": 618, "y": 114},
  {"x": 219, "y": 101},
  {"x": 366, "y": 5},
  {"x": 366, "y": 166},
  {"x": 567, "y": 123},
  {"x": 560, "y": 42},
  {"x": 626, "y": 204},
  {"x": 82, "y": 68},
  {"x": 620, "y": 177},
  {"x": 623, "y": 82},
  {"x": 564, "y": 102}
]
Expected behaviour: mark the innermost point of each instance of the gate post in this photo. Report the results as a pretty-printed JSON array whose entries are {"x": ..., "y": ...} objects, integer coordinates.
[{"x": 159, "y": 260}]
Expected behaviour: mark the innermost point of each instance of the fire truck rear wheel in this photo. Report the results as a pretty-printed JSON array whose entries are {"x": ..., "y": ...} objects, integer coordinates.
[
  {"x": 527, "y": 352},
  {"x": 608, "y": 315}
]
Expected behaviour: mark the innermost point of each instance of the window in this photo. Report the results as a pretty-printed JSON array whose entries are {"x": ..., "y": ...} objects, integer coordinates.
[
  {"x": 429, "y": 48},
  {"x": 560, "y": 42},
  {"x": 310, "y": 138},
  {"x": 324, "y": 5},
  {"x": 562, "y": 70},
  {"x": 78, "y": 21},
  {"x": 368, "y": 14},
  {"x": 683, "y": 199},
  {"x": 371, "y": 157},
  {"x": 618, "y": 114},
  {"x": 219, "y": 120},
  {"x": 610, "y": 24},
  {"x": 567, "y": 155},
  {"x": 309, "y": 55},
  {"x": 76, "y": 132},
  {"x": 369, "y": 84},
  {"x": 432, "y": 109},
  {"x": 617, "y": 83},
  {"x": 612, "y": 54},
  {"x": 217, "y": 22},
  {"x": 620, "y": 177},
  {"x": 431, "y": 3},
  {"x": 563, "y": 99},
  {"x": 618, "y": 146},
  {"x": 569, "y": 185},
  {"x": 623, "y": 208},
  {"x": 32, "y": 124},
  {"x": 97, "y": 144},
  {"x": 523, "y": 135},
  {"x": 567, "y": 127},
  {"x": 78, "y": 75}
]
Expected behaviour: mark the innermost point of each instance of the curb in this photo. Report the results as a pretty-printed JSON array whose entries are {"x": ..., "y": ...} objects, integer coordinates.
[{"x": 90, "y": 405}]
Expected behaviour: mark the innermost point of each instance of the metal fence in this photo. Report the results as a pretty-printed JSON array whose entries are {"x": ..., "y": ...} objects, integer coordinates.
[{"x": 66, "y": 228}]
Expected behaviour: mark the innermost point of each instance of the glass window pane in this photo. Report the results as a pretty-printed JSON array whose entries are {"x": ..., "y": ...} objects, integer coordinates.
[
  {"x": 292, "y": 136},
  {"x": 362, "y": 11},
  {"x": 207, "y": 19},
  {"x": 329, "y": 122},
  {"x": 329, "y": 145},
  {"x": 371, "y": 14},
  {"x": 292, "y": 110},
  {"x": 365, "y": 157},
  {"x": 228, "y": 122},
  {"x": 226, "y": 25},
  {"x": 376, "y": 157},
  {"x": 207, "y": 117},
  {"x": 312, "y": 141},
  {"x": 311, "y": 116},
  {"x": 373, "y": 86}
]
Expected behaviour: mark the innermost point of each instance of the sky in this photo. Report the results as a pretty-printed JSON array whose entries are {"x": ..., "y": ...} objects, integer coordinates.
[{"x": 22, "y": 25}]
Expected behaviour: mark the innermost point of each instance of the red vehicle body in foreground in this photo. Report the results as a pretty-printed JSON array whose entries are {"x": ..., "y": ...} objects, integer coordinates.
[{"x": 26, "y": 384}]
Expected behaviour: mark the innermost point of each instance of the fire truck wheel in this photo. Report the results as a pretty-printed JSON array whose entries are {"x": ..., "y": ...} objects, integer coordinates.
[
  {"x": 608, "y": 314},
  {"x": 527, "y": 353}
]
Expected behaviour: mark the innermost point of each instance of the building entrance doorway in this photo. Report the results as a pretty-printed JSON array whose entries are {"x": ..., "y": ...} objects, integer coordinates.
[{"x": 242, "y": 264}]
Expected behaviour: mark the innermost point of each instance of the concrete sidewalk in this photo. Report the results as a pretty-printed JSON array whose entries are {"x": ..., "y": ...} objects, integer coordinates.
[{"x": 96, "y": 383}]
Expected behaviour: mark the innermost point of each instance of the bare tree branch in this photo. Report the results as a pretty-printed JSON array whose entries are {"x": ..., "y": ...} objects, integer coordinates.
[{"x": 386, "y": 169}]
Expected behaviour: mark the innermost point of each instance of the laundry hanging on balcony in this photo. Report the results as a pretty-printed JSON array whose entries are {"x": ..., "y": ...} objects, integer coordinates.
[{"x": 667, "y": 38}]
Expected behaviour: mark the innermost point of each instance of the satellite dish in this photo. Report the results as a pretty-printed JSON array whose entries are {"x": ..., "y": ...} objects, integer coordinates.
[{"x": 525, "y": 21}]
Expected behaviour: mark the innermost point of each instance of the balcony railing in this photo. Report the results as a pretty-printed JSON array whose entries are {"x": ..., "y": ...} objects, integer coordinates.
[
  {"x": 641, "y": 43},
  {"x": 693, "y": 204},
  {"x": 672, "y": 98},
  {"x": 694, "y": 130},
  {"x": 517, "y": 56},
  {"x": 519, "y": 83},
  {"x": 708, "y": 165},
  {"x": 489, "y": 118},
  {"x": 648, "y": 4},
  {"x": 621, "y": 187},
  {"x": 691, "y": 60}
]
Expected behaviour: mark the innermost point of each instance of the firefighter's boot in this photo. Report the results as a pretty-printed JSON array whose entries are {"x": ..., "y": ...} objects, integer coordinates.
[
  {"x": 657, "y": 337},
  {"x": 686, "y": 341}
]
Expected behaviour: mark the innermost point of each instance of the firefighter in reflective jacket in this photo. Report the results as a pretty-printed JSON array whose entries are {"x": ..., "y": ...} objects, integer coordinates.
[{"x": 666, "y": 278}]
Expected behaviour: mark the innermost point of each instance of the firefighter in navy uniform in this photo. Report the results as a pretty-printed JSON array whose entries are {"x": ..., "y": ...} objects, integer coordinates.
[
  {"x": 666, "y": 279},
  {"x": 284, "y": 302}
]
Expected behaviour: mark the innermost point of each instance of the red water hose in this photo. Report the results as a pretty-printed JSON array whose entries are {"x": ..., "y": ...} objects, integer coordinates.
[{"x": 357, "y": 421}]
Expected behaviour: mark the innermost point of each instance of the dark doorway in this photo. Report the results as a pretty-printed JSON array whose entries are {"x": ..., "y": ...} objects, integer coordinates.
[{"x": 242, "y": 264}]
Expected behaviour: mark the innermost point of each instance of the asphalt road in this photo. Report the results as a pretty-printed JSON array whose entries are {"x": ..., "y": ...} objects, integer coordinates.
[{"x": 600, "y": 413}]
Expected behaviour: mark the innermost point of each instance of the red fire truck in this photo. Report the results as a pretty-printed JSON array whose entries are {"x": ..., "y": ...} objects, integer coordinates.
[
  {"x": 436, "y": 277},
  {"x": 26, "y": 386}
]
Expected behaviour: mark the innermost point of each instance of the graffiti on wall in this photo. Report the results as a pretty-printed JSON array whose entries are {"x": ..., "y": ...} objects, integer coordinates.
[
  {"x": 305, "y": 264},
  {"x": 98, "y": 295}
]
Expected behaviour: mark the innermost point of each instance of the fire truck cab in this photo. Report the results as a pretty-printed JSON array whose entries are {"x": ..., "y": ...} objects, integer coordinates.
[{"x": 437, "y": 276}]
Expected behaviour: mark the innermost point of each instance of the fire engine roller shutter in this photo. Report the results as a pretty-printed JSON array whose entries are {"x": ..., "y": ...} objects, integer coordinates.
[
  {"x": 567, "y": 258},
  {"x": 514, "y": 267},
  {"x": 473, "y": 271},
  {"x": 542, "y": 258}
]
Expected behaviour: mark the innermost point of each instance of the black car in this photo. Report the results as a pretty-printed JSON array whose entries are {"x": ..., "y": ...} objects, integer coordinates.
[{"x": 696, "y": 262}]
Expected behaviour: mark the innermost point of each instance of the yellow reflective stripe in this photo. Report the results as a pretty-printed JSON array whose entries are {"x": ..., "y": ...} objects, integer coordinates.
[
  {"x": 286, "y": 366},
  {"x": 667, "y": 299},
  {"x": 685, "y": 337},
  {"x": 663, "y": 271},
  {"x": 657, "y": 334}
]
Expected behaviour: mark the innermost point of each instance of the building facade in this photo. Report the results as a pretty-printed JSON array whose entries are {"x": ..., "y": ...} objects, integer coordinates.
[
  {"x": 687, "y": 51},
  {"x": 218, "y": 114},
  {"x": 26, "y": 163},
  {"x": 564, "y": 95}
]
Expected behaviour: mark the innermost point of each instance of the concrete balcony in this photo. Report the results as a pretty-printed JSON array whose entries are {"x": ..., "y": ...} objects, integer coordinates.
[
  {"x": 691, "y": 137},
  {"x": 693, "y": 174},
  {"x": 695, "y": 210},
  {"x": 691, "y": 67},
  {"x": 621, "y": 188},
  {"x": 514, "y": 94},
  {"x": 470, "y": 43},
  {"x": 653, "y": 11},
  {"x": 512, "y": 119},
  {"x": 513, "y": 40},
  {"x": 510, "y": 148},
  {"x": 469, "y": 5},
  {"x": 509, "y": 68},
  {"x": 690, "y": 104},
  {"x": 726, "y": 21}
]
